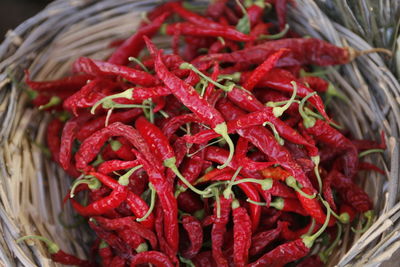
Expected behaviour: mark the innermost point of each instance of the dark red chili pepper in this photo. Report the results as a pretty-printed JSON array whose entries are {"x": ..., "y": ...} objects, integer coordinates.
[
  {"x": 261, "y": 240},
  {"x": 191, "y": 170},
  {"x": 242, "y": 234},
  {"x": 370, "y": 167},
  {"x": 281, "y": 10},
  {"x": 187, "y": 28},
  {"x": 118, "y": 261},
  {"x": 347, "y": 213},
  {"x": 105, "y": 253},
  {"x": 122, "y": 149},
  {"x": 313, "y": 261},
  {"x": 204, "y": 259},
  {"x": 263, "y": 69},
  {"x": 191, "y": 99},
  {"x": 315, "y": 83},
  {"x": 54, "y": 129},
  {"x": 324, "y": 133},
  {"x": 195, "y": 233},
  {"x": 116, "y": 165},
  {"x": 155, "y": 258},
  {"x": 132, "y": 46},
  {"x": 303, "y": 51},
  {"x": 70, "y": 83},
  {"x": 97, "y": 123},
  {"x": 173, "y": 123},
  {"x": 189, "y": 202},
  {"x": 219, "y": 229},
  {"x": 255, "y": 13},
  {"x": 117, "y": 196},
  {"x": 101, "y": 68},
  {"x": 128, "y": 222},
  {"x": 58, "y": 255},
  {"x": 283, "y": 254},
  {"x": 289, "y": 205},
  {"x": 369, "y": 144},
  {"x": 159, "y": 227}
]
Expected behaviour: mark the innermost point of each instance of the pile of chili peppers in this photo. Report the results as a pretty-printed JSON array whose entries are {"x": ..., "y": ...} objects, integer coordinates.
[{"x": 217, "y": 153}]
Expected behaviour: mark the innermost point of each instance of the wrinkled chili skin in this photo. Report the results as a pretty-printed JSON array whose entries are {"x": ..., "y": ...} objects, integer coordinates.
[
  {"x": 218, "y": 231},
  {"x": 242, "y": 236},
  {"x": 260, "y": 240},
  {"x": 53, "y": 133},
  {"x": 195, "y": 232},
  {"x": 156, "y": 258},
  {"x": 283, "y": 254},
  {"x": 65, "y": 258}
]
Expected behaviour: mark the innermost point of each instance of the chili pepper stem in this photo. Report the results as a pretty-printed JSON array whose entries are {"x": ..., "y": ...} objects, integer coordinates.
[
  {"x": 278, "y": 111},
  {"x": 54, "y": 101},
  {"x": 344, "y": 218},
  {"x": 316, "y": 160},
  {"x": 125, "y": 94},
  {"x": 92, "y": 183},
  {"x": 170, "y": 163},
  {"x": 142, "y": 248},
  {"x": 311, "y": 229},
  {"x": 222, "y": 129},
  {"x": 152, "y": 203},
  {"x": 309, "y": 240},
  {"x": 228, "y": 191},
  {"x": 356, "y": 53},
  {"x": 124, "y": 179},
  {"x": 291, "y": 182},
  {"x": 370, "y": 216},
  {"x": 266, "y": 184},
  {"x": 323, "y": 255},
  {"x": 187, "y": 262},
  {"x": 276, "y": 134},
  {"x": 275, "y": 36},
  {"x": 51, "y": 246},
  {"x": 370, "y": 151},
  {"x": 189, "y": 66},
  {"x": 307, "y": 120}
]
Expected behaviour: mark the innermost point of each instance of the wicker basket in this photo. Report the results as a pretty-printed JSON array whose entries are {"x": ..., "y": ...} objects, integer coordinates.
[{"x": 32, "y": 187}]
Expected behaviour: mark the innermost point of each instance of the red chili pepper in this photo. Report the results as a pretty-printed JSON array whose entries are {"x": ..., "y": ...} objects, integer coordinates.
[
  {"x": 283, "y": 254},
  {"x": 173, "y": 123},
  {"x": 132, "y": 46},
  {"x": 54, "y": 129},
  {"x": 118, "y": 261},
  {"x": 304, "y": 51},
  {"x": 70, "y": 83},
  {"x": 190, "y": 98},
  {"x": 187, "y": 28},
  {"x": 242, "y": 234},
  {"x": 116, "y": 165},
  {"x": 263, "y": 69},
  {"x": 97, "y": 123},
  {"x": 128, "y": 222},
  {"x": 347, "y": 212},
  {"x": 103, "y": 205},
  {"x": 101, "y": 68},
  {"x": 370, "y": 167},
  {"x": 324, "y": 133},
  {"x": 289, "y": 205},
  {"x": 195, "y": 233},
  {"x": 315, "y": 83},
  {"x": 159, "y": 227},
  {"x": 261, "y": 240},
  {"x": 189, "y": 202},
  {"x": 155, "y": 258},
  {"x": 105, "y": 253},
  {"x": 219, "y": 229},
  {"x": 255, "y": 13}
]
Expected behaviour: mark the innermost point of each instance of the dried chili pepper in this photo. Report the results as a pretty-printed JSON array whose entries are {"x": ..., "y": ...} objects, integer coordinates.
[
  {"x": 195, "y": 232},
  {"x": 242, "y": 234}
]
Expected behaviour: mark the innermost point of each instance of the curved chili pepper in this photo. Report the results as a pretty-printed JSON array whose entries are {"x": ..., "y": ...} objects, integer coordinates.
[
  {"x": 195, "y": 232},
  {"x": 105, "y": 253},
  {"x": 242, "y": 234},
  {"x": 263, "y": 69},
  {"x": 58, "y": 255},
  {"x": 116, "y": 165},
  {"x": 315, "y": 83},
  {"x": 156, "y": 258},
  {"x": 262, "y": 239},
  {"x": 159, "y": 227},
  {"x": 188, "y": 202},
  {"x": 132, "y": 46},
  {"x": 70, "y": 83},
  {"x": 97, "y": 123},
  {"x": 204, "y": 259},
  {"x": 130, "y": 237},
  {"x": 219, "y": 229},
  {"x": 189, "y": 97},
  {"x": 128, "y": 222},
  {"x": 101, "y": 68},
  {"x": 173, "y": 123},
  {"x": 304, "y": 51},
  {"x": 53, "y": 133}
]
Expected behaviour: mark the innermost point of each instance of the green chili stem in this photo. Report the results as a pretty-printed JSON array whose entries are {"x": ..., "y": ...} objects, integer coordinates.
[
  {"x": 51, "y": 246},
  {"x": 291, "y": 182},
  {"x": 54, "y": 101},
  {"x": 217, "y": 201},
  {"x": 170, "y": 163},
  {"x": 266, "y": 184},
  {"x": 278, "y": 111},
  {"x": 309, "y": 240},
  {"x": 275, "y": 36},
  {"x": 137, "y": 61},
  {"x": 125, "y": 94},
  {"x": 92, "y": 183},
  {"x": 318, "y": 116},
  {"x": 323, "y": 255},
  {"x": 124, "y": 179},
  {"x": 186, "y": 65},
  {"x": 280, "y": 103},
  {"x": 228, "y": 191},
  {"x": 222, "y": 129},
  {"x": 307, "y": 120},
  {"x": 276, "y": 134},
  {"x": 311, "y": 229},
  {"x": 370, "y": 216},
  {"x": 370, "y": 151},
  {"x": 152, "y": 203},
  {"x": 188, "y": 262},
  {"x": 200, "y": 149}
]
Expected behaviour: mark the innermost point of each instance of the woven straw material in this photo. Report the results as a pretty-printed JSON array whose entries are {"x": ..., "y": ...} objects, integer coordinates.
[{"x": 32, "y": 187}]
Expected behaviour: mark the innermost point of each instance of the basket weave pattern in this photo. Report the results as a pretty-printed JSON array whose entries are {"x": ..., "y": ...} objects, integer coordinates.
[{"x": 32, "y": 187}]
